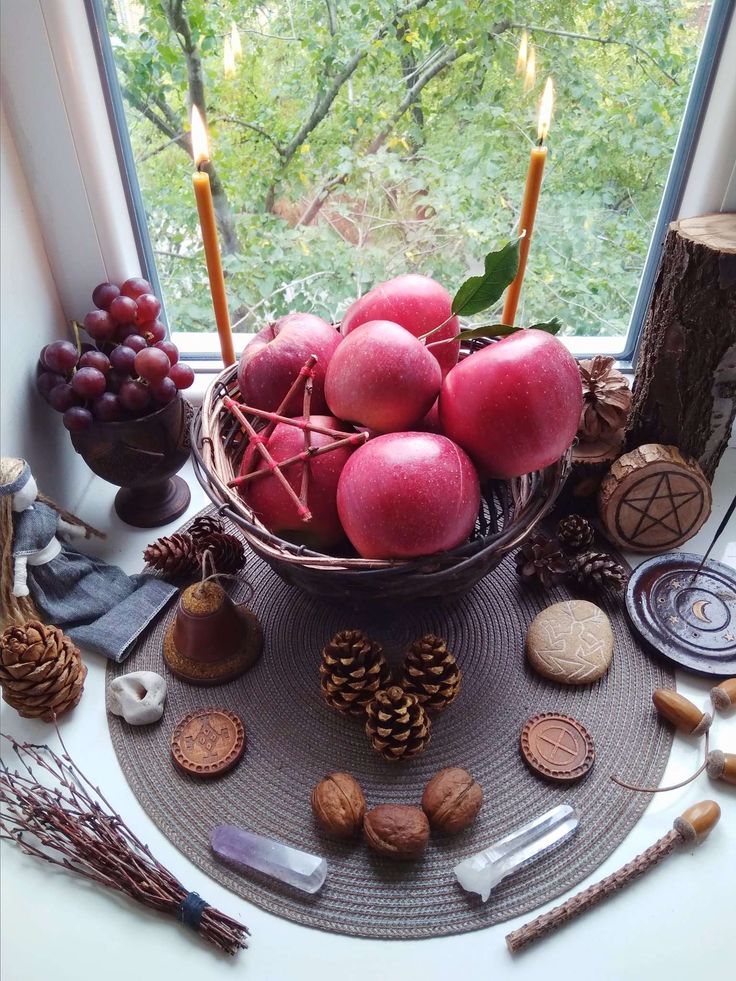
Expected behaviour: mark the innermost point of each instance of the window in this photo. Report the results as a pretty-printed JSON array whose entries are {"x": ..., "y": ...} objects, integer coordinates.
[{"x": 351, "y": 146}]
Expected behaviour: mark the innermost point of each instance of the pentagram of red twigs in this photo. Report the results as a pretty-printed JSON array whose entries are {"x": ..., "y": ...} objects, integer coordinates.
[
  {"x": 259, "y": 440},
  {"x": 658, "y": 500}
]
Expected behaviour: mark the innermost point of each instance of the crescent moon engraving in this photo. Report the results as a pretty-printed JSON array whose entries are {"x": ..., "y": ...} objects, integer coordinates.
[{"x": 699, "y": 610}]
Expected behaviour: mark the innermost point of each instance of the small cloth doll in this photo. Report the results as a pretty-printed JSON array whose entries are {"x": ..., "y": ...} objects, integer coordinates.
[{"x": 96, "y": 604}]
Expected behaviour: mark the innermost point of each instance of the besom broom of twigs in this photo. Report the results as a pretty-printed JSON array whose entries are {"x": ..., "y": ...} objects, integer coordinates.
[{"x": 67, "y": 822}]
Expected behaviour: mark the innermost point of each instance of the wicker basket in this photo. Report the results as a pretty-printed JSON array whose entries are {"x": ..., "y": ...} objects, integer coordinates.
[{"x": 509, "y": 511}]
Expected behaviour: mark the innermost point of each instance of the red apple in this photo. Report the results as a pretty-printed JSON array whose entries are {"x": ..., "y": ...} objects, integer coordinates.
[
  {"x": 382, "y": 377},
  {"x": 431, "y": 422},
  {"x": 514, "y": 405},
  {"x": 408, "y": 494},
  {"x": 416, "y": 303},
  {"x": 270, "y": 502},
  {"x": 273, "y": 359}
]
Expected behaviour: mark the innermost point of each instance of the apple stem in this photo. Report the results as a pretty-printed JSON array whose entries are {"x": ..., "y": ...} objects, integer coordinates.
[
  {"x": 445, "y": 340},
  {"x": 352, "y": 439},
  {"x": 307, "y": 371},
  {"x": 423, "y": 337},
  {"x": 257, "y": 439},
  {"x": 306, "y": 413}
]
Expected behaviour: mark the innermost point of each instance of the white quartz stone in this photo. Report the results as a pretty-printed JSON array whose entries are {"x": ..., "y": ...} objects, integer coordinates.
[
  {"x": 139, "y": 697},
  {"x": 481, "y": 872}
]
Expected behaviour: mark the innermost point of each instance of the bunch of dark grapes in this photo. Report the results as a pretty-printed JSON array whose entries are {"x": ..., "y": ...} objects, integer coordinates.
[{"x": 132, "y": 371}]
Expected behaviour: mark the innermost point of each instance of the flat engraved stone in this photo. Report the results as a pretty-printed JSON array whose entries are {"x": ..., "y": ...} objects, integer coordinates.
[
  {"x": 557, "y": 747},
  {"x": 208, "y": 742},
  {"x": 570, "y": 642}
]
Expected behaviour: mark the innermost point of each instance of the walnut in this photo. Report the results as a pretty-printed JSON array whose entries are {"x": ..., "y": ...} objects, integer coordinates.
[
  {"x": 397, "y": 830},
  {"x": 451, "y": 800},
  {"x": 339, "y": 805}
]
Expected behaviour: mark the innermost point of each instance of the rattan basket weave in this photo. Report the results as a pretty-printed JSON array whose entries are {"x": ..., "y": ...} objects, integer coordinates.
[{"x": 509, "y": 511}]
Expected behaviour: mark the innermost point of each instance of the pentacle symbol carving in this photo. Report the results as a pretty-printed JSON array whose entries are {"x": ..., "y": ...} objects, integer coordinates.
[{"x": 659, "y": 509}]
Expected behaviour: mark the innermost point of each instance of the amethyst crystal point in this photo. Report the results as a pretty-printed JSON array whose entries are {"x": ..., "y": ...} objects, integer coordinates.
[{"x": 299, "y": 869}]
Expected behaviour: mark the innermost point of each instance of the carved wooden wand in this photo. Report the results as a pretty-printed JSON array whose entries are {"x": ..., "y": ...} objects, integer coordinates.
[{"x": 693, "y": 826}]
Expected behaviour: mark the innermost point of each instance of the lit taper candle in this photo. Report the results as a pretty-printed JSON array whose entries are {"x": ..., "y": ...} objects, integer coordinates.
[
  {"x": 537, "y": 161},
  {"x": 208, "y": 224}
]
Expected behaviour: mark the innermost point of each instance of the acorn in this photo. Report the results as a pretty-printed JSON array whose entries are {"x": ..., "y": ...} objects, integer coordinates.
[
  {"x": 681, "y": 712},
  {"x": 723, "y": 696},
  {"x": 697, "y": 822},
  {"x": 721, "y": 766}
]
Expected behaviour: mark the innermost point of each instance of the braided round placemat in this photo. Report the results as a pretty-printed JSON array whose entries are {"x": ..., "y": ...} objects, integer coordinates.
[{"x": 294, "y": 739}]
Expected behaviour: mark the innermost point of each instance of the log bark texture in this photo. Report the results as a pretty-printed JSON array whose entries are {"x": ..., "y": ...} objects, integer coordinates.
[{"x": 685, "y": 388}]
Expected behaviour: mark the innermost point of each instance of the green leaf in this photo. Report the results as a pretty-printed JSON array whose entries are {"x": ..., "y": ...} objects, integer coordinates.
[
  {"x": 480, "y": 292},
  {"x": 550, "y": 326},
  {"x": 503, "y": 330},
  {"x": 487, "y": 330}
]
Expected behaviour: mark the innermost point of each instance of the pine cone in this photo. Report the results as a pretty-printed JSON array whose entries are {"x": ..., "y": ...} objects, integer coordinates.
[
  {"x": 204, "y": 526},
  {"x": 41, "y": 671},
  {"x": 431, "y": 673},
  {"x": 228, "y": 553},
  {"x": 353, "y": 669},
  {"x": 176, "y": 556},
  {"x": 575, "y": 532},
  {"x": 606, "y": 398},
  {"x": 598, "y": 569},
  {"x": 397, "y": 725},
  {"x": 540, "y": 559}
]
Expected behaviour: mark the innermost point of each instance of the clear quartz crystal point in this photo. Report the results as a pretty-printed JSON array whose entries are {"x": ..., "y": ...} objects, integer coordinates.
[
  {"x": 481, "y": 872},
  {"x": 299, "y": 869}
]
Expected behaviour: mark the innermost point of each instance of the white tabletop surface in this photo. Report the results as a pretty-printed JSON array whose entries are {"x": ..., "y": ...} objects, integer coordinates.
[{"x": 676, "y": 922}]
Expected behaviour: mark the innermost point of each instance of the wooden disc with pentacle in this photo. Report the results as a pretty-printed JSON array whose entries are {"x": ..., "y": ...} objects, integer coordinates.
[{"x": 653, "y": 499}]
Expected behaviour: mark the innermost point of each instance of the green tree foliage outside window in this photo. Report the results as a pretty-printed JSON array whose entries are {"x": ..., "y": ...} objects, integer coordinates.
[{"x": 359, "y": 139}]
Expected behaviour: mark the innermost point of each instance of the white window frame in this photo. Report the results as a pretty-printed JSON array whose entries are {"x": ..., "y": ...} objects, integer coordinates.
[{"x": 57, "y": 109}]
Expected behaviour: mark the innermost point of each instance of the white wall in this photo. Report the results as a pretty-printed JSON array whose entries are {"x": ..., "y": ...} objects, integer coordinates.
[
  {"x": 30, "y": 316},
  {"x": 712, "y": 184}
]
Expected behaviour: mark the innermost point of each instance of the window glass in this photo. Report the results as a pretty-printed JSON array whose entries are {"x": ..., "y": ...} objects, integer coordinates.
[{"x": 353, "y": 141}]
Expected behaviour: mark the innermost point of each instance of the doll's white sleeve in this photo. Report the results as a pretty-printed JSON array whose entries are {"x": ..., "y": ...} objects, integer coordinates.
[
  {"x": 19, "y": 576},
  {"x": 67, "y": 530}
]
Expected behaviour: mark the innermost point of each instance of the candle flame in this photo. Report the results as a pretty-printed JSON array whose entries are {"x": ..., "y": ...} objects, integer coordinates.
[
  {"x": 200, "y": 144},
  {"x": 228, "y": 58},
  {"x": 235, "y": 44},
  {"x": 530, "y": 75},
  {"x": 545, "y": 111},
  {"x": 522, "y": 55}
]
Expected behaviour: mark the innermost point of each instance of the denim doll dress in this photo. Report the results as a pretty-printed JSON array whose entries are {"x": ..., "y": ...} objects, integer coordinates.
[{"x": 101, "y": 608}]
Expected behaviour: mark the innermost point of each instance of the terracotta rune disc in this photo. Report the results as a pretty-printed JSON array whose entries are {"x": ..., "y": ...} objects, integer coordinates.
[
  {"x": 208, "y": 742},
  {"x": 557, "y": 747}
]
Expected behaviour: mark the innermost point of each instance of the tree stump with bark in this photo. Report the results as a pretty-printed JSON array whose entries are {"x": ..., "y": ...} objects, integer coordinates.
[
  {"x": 685, "y": 388},
  {"x": 653, "y": 499}
]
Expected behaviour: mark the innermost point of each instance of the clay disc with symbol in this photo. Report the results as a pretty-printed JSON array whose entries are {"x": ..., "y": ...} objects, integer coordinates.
[
  {"x": 557, "y": 747},
  {"x": 208, "y": 742},
  {"x": 653, "y": 499}
]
